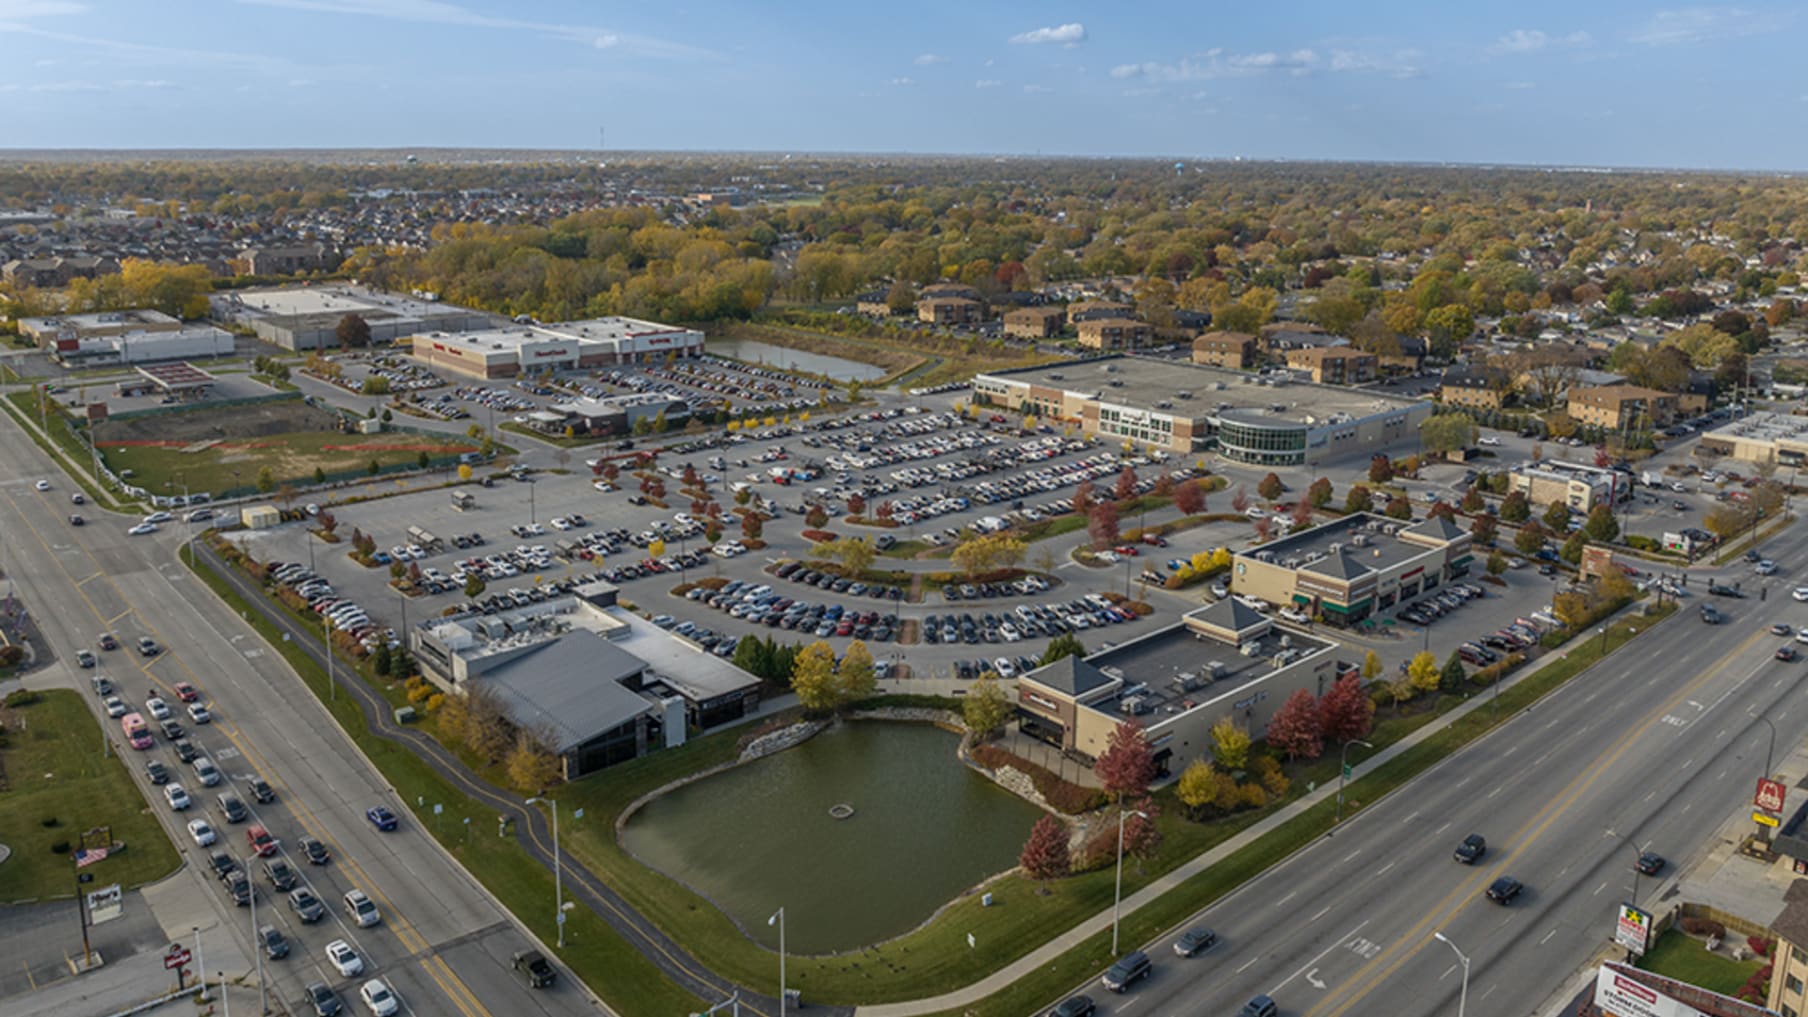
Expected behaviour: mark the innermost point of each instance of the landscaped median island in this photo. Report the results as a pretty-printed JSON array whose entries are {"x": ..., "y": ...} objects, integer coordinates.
[{"x": 57, "y": 783}]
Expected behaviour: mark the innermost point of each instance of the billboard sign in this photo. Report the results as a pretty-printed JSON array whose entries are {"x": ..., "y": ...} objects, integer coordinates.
[
  {"x": 1771, "y": 795},
  {"x": 1633, "y": 929},
  {"x": 176, "y": 957},
  {"x": 1596, "y": 561},
  {"x": 1619, "y": 995}
]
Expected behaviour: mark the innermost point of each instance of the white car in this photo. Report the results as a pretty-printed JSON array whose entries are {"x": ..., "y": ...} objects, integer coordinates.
[
  {"x": 603, "y": 485},
  {"x": 198, "y": 713},
  {"x": 43, "y": 485},
  {"x": 1676, "y": 485},
  {"x": 115, "y": 707},
  {"x": 1800, "y": 593},
  {"x": 157, "y": 708},
  {"x": 201, "y": 831},
  {"x": 1766, "y": 568},
  {"x": 141, "y": 529},
  {"x": 379, "y": 999},
  {"x": 343, "y": 958},
  {"x": 158, "y": 517},
  {"x": 177, "y": 796},
  {"x": 1488, "y": 440}
]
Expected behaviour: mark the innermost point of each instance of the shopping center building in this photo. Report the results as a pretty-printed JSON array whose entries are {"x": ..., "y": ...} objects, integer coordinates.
[
  {"x": 1264, "y": 420},
  {"x": 1350, "y": 568}
]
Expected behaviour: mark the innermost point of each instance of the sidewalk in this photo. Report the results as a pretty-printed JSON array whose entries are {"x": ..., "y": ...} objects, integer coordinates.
[{"x": 1048, "y": 952}]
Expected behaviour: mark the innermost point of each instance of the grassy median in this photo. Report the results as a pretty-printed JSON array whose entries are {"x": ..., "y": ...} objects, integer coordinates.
[
  {"x": 595, "y": 952},
  {"x": 56, "y": 783}
]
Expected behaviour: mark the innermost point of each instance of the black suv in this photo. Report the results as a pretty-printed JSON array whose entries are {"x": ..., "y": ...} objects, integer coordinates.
[
  {"x": 281, "y": 875},
  {"x": 1503, "y": 890},
  {"x": 1128, "y": 970},
  {"x": 1471, "y": 849},
  {"x": 260, "y": 790}
]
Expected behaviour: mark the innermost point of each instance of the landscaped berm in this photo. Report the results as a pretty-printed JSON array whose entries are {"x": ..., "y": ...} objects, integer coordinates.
[{"x": 220, "y": 449}]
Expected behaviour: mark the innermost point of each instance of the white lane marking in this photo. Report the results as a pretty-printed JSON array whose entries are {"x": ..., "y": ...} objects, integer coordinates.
[
  {"x": 1313, "y": 980},
  {"x": 1541, "y": 759},
  {"x": 1451, "y": 970},
  {"x": 1313, "y": 963},
  {"x": 1650, "y": 795},
  {"x": 1410, "y": 818},
  {"x": 1384, "y": 868},
  {"x": 1691, "y": 762},
  {"x": 1490, "y": 991},
  {"x": 1547, "y": 936},
  {"x": 1441, "y": 829},
  {"x": 1496, "y": 791},
  {"x": 1283, "y": 901},
  {"x": 1598, "y": 890},
  {"x": 1510, "y": 750},
  {"x": 1321, "y": 912},
  {"x": 1352, "y": 854},
  {"x": 1248, "y": 964}
]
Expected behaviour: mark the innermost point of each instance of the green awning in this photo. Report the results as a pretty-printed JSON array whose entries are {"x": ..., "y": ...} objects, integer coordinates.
[
  {"x": 1340, "y": 609},
  {"x": 1300, "y": 598},
  {"x": 1464, "y": 560}
]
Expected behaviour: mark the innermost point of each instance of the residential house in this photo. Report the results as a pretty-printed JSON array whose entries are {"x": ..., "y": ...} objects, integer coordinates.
[
  {"x": 873, "y": 304},
  {"x": 286, "y": 260},
  {"x": 1404, "y": 355},
  {"x": 54, "y": 272},
  {"x": 1235, "y": 350},
  {"x": 949, "y": 289},
  {"x": 1089, "y": 310},
  {"x": 1334, "y": 365}
]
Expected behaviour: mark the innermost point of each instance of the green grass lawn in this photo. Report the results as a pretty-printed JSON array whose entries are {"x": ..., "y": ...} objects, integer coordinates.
[
  {"x": 291, "y": 458},
  {"x": 1678, "y": 955},
  {"x": 55, "y": 771}
]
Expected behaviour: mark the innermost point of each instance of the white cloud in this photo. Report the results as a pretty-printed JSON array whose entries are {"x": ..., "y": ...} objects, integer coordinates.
[
  {"x": 902, "y": 82},
  {"x": 1036, "y": 89},
  {"x": 136, "y": 84},
  {"x": 1071, "y": 34},
  {"x": 67, "y": 86},
  {"x": 1216, "y": 63},
  {"x": 929, "y": 59},
  {"x": 1688, "y": 25},
  {"x": 987, "y": 83},
  {"x": 39, "y": 8},
  {"x": 1531, "y": 40},
  {"x": 439, "y": 12}
]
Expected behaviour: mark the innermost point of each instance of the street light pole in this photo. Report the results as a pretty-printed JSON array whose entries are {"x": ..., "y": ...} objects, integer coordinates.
[
  {"x": 1343, "y": 770},
  {"x": 326, "y": 634},
  {"x": 1771, "y": 748},
  {"x": 779, "y": 917},
  {"x": 558, "y": 874},
  {"x": 1117, "y": 899},
  {"x": 1637, "y": 856},
  {"x": 1462, "y": 1002},
  {"x": 257, "y": 951}
]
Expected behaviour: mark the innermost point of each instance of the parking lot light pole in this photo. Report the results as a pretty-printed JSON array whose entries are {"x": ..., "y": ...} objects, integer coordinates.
[
  {"x": 1462, "y": 1000},
  {"x": 558, "y": 882},
  {"x": 332, "y": 681},
  {"x": 257, "y": 948},
  {"x": 1343, "y": 772},
  {"x": 779, "y": 917},
  {"x": 1117, "y": 899}
]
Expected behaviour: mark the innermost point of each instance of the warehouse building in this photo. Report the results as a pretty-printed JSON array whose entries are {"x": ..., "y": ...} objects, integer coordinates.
[
  {"x": 1223, "y": 660},
  {"x": 538, "y": 349},
  {"x": 1761, "y": 437},
  {"x": 124, "y": 337},
  {"x": 1267, "y": 420},
  {"x": 1578, "y": 485},
  {"x": 1351, "y": 568},
  {"x": 307, "y": 317}
]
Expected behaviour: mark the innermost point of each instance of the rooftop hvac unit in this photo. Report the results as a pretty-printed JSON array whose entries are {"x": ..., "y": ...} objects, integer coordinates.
[
  {"x": 1360, "y": 539},
  {"x": 1134, "y": 705},
  {"x": 1392, "y": 529},
  {"x": 1286, "y": 641},
  {"x": 1215, "y": 670},
  {"x": 1336, "y": 546},
  {"x": 1250, "y": 649},
  {"x": 1291, "y": 561}
]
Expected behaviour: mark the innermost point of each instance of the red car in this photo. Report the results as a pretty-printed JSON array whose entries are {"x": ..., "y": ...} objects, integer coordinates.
[
  {"x": 1127, "y": 550},
  {"x": 186, "y": 692}
]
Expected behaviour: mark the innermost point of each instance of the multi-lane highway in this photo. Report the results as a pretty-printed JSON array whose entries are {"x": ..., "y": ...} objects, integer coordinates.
[
  {"x": 1658, "y": 745},
  {"x": 443, "y": 945}
]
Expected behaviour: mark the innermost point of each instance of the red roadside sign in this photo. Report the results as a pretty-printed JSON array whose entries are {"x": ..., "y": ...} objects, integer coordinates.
[
  {"x": 175, "y": 958},
  {"x": 1771, "y": 794}
]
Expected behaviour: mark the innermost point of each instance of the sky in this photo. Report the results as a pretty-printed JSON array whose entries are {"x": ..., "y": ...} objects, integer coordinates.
[{"x": 1604, "y": 83}]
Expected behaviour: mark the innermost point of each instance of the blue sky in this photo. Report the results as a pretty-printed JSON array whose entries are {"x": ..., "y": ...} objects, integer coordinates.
[{"x": 1605, "y": 83}]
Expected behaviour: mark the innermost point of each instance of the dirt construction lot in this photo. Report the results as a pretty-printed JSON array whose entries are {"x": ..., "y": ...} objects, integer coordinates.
[{"x": 205, "y": 447}]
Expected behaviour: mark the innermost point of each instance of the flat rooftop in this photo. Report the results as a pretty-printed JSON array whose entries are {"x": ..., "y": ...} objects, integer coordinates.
[
  {"x": 596, "y": 330},
  {"x": 99, "y": 319},
  {"x": 677, "y": 662},
  {"x": 1380, "y": 549},
  {"x": 1154, "y": 667},
  {"x": 1146, "y": 382},
  {"x": 1764, "y": 425},
  {"x": 335, "y": 301}
]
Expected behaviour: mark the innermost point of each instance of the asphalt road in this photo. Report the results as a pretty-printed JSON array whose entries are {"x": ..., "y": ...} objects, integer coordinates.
[
  {"x": 1657, "y": 745},
  {"x": 444, "y": 945}
]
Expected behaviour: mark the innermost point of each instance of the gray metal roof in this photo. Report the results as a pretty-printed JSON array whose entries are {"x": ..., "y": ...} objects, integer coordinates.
[
  {"x": 570, "y": 688},
  {"x": 1070, "y": 675}
]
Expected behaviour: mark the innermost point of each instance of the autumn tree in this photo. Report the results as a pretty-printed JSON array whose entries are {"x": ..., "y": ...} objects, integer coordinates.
[
  {"x": 986, "y": 708},
  {"x": 1345, "y": 712},
  {"x": 1239, "y": 499},
  {"x": 532, "y": 766},
  {"x": 1270, "y": 487},
  {"x": 353, "y": 332},
  {"x": 1447, "y": 432},
  {"x": 1230, "y": 745},
  {"x": 1127, "y": 764},
  {"x": 1530, "y": 538},
  {"x": 1360, "y": 499},
  {"x": 1472, "y": 499},
  {"x": 1556, "y": 517},
  {"x": 854, "y": 553},
  {"x": 1398, "y": 508},
  {"x": 1294, "y": 729},
  {"x": 1189, "y": 498},
  {"x": 1515, "y": 508},
  {"x": 1422, "y": 671},
  {"x": 1082, "y": 499},
  {"x": 1601, "y": 525},
  {"x": 1126, "y": 484},
  {"x": 1318, "y": 495},
  {"x": 1197, "y": 787},
  {"x": 813, "y": 678},
  {"x": 1483, "y": 529},
  {"x": 988, "y": 552},
  {"x": 1102, "y": 525},
  {"x": 1381, "y": 469},
  {"x": 1142, "y": 832},
  {"x": 1044, "y": 855},
  {"x": 1064, "y": 645}
]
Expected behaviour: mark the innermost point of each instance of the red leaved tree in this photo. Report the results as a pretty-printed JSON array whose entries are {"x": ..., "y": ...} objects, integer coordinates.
[
  {"x": 1264, "y": 529},
  {"x": 1082, "y": 499},
  {"x": 752, "y": 526},
  {"x": 1239, "y": 499},
  {"x": 1345, "y": 712},
  {"x": 1190, "y": 498},
  {"x": 1126, "y": 766},
  {"x": 1044, "y": 855},
  {"x": 1295, "y": 727},
  {"x": 1142, "y": 836},
  {"x": 856, "y": 504},
  {"x": 1126, "y": 483},
  {"x": 1101, "y": 524},
  {"x": 1302, "y": 513}
]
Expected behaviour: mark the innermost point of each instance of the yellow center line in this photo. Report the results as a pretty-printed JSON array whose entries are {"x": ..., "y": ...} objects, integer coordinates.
[
  {"x": 1415, "y": 939},
  {"x": 309, "y": 822}
]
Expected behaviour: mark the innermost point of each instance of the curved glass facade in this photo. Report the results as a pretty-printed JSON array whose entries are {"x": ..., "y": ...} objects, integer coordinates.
[{"x": 1265, "y": 443}]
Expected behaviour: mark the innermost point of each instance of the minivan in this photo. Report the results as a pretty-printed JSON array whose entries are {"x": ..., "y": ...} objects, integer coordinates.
[{"x": 1129, "y": 968}]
